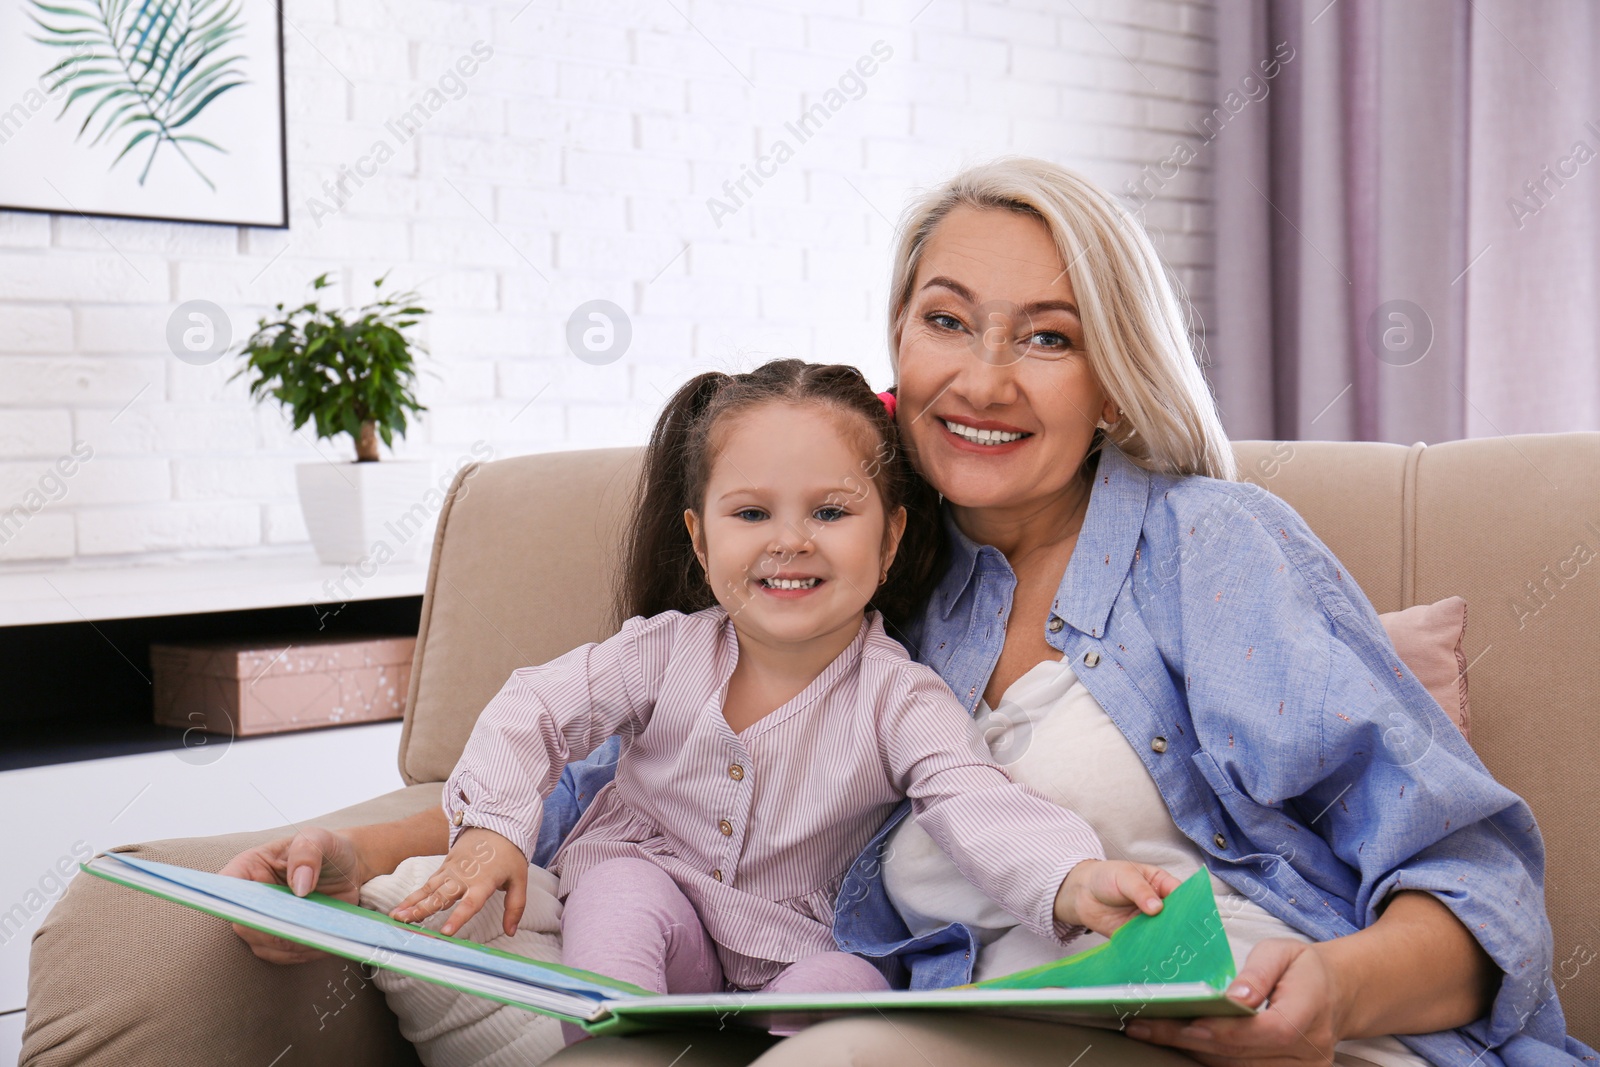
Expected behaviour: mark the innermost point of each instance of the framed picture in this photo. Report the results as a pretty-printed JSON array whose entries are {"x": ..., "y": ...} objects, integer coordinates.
[{"x": 146, "y": 109}]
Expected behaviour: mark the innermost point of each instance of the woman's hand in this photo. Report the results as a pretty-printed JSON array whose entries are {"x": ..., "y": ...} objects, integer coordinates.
[
  {"x": 314, "y": 858},
  {"x": 1416, "y": 970},
  {"x": 1104, "y": 894},
  {"x": 481, "y": 863},
  {"x": 1300, "y": 1026}
]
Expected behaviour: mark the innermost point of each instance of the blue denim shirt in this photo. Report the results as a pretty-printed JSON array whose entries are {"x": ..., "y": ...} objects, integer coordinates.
[
  {"x": 572, "y": 797},
  {"x": 1255, "y": 681}
]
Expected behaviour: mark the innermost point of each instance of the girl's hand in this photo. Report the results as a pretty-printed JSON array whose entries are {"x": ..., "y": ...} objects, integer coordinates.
[
  {"x": 314, "y": 858},
  {"x": 1104, "y": 894},
  {"x": 481, "y": 863},
  {"x": 1300, "y": 1026}
]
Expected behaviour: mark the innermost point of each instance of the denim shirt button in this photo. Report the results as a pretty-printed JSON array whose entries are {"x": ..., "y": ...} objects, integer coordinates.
[
  {"x": 1222, "y": 842},
  {"x": 1091, "y": 659},
  {"x": 1159, "y": 744},
  {"x": 1055, "y": 624}
]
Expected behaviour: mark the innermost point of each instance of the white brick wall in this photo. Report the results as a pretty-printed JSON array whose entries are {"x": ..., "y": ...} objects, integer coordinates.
[{"x": 577, "y": 165}]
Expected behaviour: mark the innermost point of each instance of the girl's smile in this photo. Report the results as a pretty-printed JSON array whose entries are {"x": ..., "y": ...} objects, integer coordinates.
[{"x": 790, "y": 586}]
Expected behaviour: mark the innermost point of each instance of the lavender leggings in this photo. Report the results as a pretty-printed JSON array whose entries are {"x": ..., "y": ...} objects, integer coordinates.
[{"x": 629, "y": 920}]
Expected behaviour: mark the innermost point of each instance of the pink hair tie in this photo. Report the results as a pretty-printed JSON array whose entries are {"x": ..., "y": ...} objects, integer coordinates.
[{"x": 888, "y": 402}]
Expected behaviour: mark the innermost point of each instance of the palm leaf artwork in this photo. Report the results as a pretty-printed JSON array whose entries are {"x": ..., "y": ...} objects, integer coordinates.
[{"x": 145, "y": 68}]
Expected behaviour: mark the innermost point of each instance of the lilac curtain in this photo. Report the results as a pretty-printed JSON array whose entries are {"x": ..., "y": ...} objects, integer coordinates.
[{"x": 1408, "y": 221}]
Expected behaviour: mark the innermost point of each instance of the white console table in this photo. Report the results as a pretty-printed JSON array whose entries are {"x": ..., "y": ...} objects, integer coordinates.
[{"x": 91, "y": 594}]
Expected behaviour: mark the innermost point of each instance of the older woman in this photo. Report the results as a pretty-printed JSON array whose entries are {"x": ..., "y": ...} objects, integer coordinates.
[{"x": 1176, "y": 656}]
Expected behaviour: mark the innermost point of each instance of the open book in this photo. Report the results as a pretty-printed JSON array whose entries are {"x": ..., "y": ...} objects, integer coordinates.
[{"x": 1175, "y": 964}]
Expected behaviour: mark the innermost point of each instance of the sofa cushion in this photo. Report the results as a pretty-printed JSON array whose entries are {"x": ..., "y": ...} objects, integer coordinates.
[
  {"x": 1428, "y": 639},
  {"x": 522, "y": 572},
  {"x": 1513, "y": 525}
]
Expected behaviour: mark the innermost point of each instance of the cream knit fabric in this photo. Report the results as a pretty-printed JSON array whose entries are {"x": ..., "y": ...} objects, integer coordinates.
[{"x": 451, "y": 1029}]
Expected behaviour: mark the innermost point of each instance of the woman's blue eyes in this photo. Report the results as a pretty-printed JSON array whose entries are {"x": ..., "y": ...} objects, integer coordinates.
[
  {"x": 1043, "y": 338},
  {"x": 750, "y": 514}
]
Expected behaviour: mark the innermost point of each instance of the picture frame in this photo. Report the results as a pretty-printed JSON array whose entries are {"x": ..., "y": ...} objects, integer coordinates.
[{"x": 143, "y": 109}]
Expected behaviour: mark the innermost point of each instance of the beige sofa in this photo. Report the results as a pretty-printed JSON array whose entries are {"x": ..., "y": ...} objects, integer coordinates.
[{"x": 520, "y": 574}]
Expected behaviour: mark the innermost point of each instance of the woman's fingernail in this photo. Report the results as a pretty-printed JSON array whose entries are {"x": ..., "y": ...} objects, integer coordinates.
[
  {"x": 1138, "y": 1031},
  {"x": 1239, "y": 991},
  {"x": 1199, "y": 1033},
  {"x": 300, "y": 881}
]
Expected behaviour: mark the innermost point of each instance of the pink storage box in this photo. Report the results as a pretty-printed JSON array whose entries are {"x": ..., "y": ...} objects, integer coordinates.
[{"x": 269, "y": 685}]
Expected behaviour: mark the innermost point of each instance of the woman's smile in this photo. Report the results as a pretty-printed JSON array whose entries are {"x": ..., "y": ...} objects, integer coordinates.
[{"x": 982, "y": 436}]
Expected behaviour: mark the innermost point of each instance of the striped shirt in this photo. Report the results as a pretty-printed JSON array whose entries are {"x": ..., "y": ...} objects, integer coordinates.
[{"x": 759, "y": 827}]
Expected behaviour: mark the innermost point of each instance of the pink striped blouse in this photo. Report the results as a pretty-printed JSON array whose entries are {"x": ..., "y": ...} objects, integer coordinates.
[{"x": 759, "y": 827}]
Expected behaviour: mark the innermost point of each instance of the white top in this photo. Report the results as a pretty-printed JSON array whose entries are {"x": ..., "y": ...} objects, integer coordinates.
[{"x": 1052, "y": 736}]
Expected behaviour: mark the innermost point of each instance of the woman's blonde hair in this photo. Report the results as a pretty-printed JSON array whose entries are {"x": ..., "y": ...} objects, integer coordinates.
[{"x": 1135, "y": 334}]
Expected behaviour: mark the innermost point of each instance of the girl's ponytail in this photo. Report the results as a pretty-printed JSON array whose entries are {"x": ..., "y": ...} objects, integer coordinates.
[{"x": 659, "y": 569}]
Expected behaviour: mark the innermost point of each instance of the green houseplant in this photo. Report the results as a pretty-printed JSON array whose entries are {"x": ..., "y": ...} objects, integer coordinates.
[
  {"x": 346, "y": 372},
  {"x": 349, "y": 372}
]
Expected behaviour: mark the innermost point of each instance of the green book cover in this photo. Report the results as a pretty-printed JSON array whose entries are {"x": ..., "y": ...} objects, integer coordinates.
[{"x": 1184, "y": 943}]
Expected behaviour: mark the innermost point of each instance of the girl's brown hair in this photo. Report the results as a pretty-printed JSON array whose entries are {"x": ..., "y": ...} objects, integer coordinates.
[{"x": 660, "y": 571}]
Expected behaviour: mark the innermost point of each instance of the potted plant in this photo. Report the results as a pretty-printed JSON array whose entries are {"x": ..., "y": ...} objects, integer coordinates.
[{"x": 349, "y": 372}]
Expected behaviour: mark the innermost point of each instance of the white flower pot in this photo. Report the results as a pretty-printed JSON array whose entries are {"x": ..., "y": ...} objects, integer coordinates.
[{"x": 367, "y": 511}]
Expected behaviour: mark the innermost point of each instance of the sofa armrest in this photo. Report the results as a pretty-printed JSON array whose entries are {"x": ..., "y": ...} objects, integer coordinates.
[{"x": 117, "y": 977}]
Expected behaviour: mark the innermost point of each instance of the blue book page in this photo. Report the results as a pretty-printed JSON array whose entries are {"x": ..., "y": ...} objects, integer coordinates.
[{"x": 321, "y": 914}]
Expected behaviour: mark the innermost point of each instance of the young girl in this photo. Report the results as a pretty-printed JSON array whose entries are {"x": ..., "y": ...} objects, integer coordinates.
[{"x": 769, "y": 722}]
